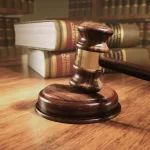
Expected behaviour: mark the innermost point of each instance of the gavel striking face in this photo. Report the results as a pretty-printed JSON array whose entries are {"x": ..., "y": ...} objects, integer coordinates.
[{"x": 86, "y": 100}]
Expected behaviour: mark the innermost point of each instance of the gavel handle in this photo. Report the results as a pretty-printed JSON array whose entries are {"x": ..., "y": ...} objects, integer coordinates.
[{"x": 131, "y": 69}]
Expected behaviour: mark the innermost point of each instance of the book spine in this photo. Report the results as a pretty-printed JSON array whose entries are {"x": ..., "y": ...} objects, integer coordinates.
[
  {"x": 111, "y": 7},
  {"x": 2, "y": 3},
  {"x": 134, "y": 7},
  {"x": 69, "y": 34},
  {"x": 77, "y": 9},
  {"x": 148, "y": 6},
  {"x": 3, "y": 38},
  {"x": 17, "y": 49},
  {"x": 8, "y": 4},
  {"x": 141, "y": 26},
  {"x": 17, "y": 4},
  {"x": 142, "y": 7},
  {"x": 119, "y": 7},
  {"x": 125, "y": 35},
  {"x": 105, "y": 7},
  {"x": 61, "y": 64},
  {"x": 147, "y": 35},
  {"x": 10, "y": 36},
  {"x": 24, "y": 4},
  {"x": 126, "y": 8},
  {"x": 89, "y": 8},
  {"x": 83, "y": 8},
  {"x": 30, "y": 6}
]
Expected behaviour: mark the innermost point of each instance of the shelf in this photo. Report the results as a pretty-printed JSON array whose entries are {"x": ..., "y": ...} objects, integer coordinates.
[
  {"x": 145, "y": 17},
  {"x": 11, "y": 11}
]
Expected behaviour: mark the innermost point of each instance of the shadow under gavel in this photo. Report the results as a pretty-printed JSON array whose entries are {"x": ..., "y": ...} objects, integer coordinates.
[{"x": 87, "y": 100}]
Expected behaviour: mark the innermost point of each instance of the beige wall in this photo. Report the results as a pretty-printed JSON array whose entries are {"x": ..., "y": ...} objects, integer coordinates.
[{"x": 48, "y": 8}]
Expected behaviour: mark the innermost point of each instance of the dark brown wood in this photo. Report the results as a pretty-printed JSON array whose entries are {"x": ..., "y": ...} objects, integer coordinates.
[
  {"x": 94, "y": 37},
  {"x": 80, "y": 103},
  {"x": 131, "y": 69},
  {"x": 64, "y": 103},
  {"x": 21, "y": 128},
  {"x": 87, "y": 81}
]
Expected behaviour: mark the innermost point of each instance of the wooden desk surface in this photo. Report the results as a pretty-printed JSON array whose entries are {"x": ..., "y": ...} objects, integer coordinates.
[{"x": 21, "y": 128}]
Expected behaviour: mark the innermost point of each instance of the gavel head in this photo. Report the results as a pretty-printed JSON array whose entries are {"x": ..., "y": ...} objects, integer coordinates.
[{"x": 91, "y": 45}]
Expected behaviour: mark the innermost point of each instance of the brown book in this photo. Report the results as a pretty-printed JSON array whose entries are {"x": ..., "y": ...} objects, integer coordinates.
[
  {"x": 142, "y": 7},
  {"x": 111, "y": 7},
  {"x": 51, "y": 64},
  {"x": 119, "y": 7},
  {"x": 10, "y": 35},
  {"x": 17, "y": 4},
  {"x": 88, "y": 8},
  {"x": 134, "y": 7},
  {"x": 3, "y": 38},
  {"x": 2, "y": 3},
  {"x": 60, "y": 64},
  {"x": 125, "y": 35},
  {"x": 147, "y": 34},
  {"x": 30, "y": 7},
  {"x": 8, "y": 3},
  {"x": 126, "y": 7},
  {"x": 3, "y": 51},
  {"x": 141, "y": 26},
  {"x": 148, "y": 6},
  {"x": 24, "y": 5},
  {"x": 105, "y": 7}
]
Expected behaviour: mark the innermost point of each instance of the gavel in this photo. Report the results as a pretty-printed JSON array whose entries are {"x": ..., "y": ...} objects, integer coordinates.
[{"x": 86, "y": 100}]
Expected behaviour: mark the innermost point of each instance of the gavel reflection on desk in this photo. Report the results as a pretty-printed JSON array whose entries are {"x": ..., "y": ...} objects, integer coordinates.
[{"x": 87, "y": 100}]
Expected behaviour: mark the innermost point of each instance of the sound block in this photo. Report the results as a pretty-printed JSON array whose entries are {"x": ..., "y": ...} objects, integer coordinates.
[{"x": 63, "y": 103}]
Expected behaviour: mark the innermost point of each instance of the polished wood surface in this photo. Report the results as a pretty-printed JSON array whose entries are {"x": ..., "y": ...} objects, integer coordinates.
[{"x": 21, "y": 128}]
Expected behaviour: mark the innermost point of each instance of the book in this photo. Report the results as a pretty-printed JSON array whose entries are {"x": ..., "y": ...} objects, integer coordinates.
[
  {"x": 126, "y": 7},
  {"x": 2, "y": 3},
  {"x": 30, "y": 6},
  {"x": 51, "y": 64},
  {"x": 148, "y": 6},
  {"x": 105, "y": 8},
  {"x": 146, "y": 41},
  {"x": 141, "y": 28},
  {"x": 7, "y": 37},
  {"x": 17, "y": 4},
  {"x": 111, "y": 8},
  {"x": 134, "y": 7},
  {"x": 125, "y": 35},
  {"x": 60, "y": 64},
  {"x": 24, "y": 5},
  {"x": 58, "y": 35},
  {"x": 9, "y": 4},
  {"x": 119, "y": 7},
  {"x": 142, "y": 7},
  {"x": 48, "y": 35}
]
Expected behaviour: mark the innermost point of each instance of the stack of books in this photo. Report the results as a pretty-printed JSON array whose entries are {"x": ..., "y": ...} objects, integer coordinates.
[
  {"x": 7, "y": 36},
  {"x": 26, "y": 6},
  {"x": 125, "y": 7},
  {"x": 52, "y": 45}
]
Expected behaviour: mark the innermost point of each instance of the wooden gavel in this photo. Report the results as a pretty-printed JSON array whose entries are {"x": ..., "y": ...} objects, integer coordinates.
[
  {"x": 87, "y": 100},
  {"x": 90, "y": 58}
]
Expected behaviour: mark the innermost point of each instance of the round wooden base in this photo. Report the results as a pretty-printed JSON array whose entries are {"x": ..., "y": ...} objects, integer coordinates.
[{"x": 63, "y": 103}]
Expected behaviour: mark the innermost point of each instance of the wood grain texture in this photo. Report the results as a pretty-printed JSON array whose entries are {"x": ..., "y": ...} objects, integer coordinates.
[{"x": 21, "y": 128}]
